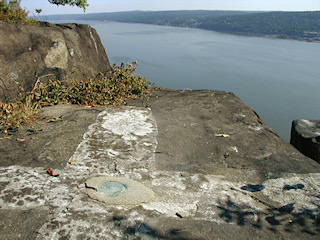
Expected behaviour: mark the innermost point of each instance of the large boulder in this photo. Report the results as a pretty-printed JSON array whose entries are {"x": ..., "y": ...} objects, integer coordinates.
[
  {"x": 305, "y": 136},
  {"x": 49, "y": 51}
]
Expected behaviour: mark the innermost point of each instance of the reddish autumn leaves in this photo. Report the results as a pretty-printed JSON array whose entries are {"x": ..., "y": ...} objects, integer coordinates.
[{"x": 50, "y": 172}]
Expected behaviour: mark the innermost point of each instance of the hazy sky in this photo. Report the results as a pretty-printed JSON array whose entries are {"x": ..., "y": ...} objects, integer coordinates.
[{"x": 128, "y": 5}]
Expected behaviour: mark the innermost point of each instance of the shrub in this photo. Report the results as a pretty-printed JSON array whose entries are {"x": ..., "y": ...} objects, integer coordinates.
[
  {"x": 13, "y": 13},
  {"x": 113, "y": 89},
  {"x": 14, "y": 115}
]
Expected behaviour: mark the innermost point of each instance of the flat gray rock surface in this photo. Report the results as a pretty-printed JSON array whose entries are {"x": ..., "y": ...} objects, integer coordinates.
[{"x": 217, "y": 172}]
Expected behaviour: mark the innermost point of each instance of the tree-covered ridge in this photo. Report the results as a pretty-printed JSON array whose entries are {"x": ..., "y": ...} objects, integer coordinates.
[
  {"x": 288, "y": 25},
  {"x": 149, "y": 17}
]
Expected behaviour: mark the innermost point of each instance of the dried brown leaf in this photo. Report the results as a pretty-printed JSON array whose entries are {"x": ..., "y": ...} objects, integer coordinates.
[{"x": 52, "y": 173}]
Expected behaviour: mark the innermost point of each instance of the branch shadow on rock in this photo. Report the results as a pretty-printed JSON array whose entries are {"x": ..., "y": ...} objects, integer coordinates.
[
  {"x": 141, "y": 229},
  {"x": 284, "y": 218}
]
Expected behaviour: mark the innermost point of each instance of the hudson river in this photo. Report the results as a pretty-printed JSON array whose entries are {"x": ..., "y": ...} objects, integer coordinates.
[{"x": 279, "y": 79}]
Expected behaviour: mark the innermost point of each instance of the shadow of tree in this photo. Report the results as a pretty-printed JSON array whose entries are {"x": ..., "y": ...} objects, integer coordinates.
[
  {"x": 141, "y": 229},
  {"x": 231, "y": 212},
  {"x": 284, "y": 218}
]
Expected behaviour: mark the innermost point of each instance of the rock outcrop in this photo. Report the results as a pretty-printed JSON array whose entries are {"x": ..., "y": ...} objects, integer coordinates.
[
  {"x": 50, "y": 51},
  {"x": 305, "y": 136},
  {"x": 216, "y": 171}
]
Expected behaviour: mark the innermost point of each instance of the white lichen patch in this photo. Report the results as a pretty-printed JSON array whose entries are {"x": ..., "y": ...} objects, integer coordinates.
[
  {"x": 303, "y": 190},
  {"x": 165, "y": 180},
  {"x": 128, "y": 124},
  {"x": 185, "y": 209},
  {"x": 235, "y": 149},
  {"x": 307, "y": 128},
  {"x": 57, "y": 57},
  {"x": 112, "y": 145},
  {"x": 201, "y": 196},
  {"x": 255, "y": 128},
  {"x": 206, "y": 197}
]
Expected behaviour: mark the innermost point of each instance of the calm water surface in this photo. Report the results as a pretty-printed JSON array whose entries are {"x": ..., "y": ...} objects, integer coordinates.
[{"x": 279, "y": 79}]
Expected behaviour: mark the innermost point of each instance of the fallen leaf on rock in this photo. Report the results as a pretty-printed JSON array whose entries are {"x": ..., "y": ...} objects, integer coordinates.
[
  {"x": 34, "y": 138},
  {"x": 72, "y": 163},
  {"x": 221, "y": 135},
  {"x": 226, "y": 155},
  {"x": 34, "y": 130},
  {"x": 55, "y": 119},
  {"x": 20, "y": 139},
  {"x": 50, "y": 172},
  {"x": 87, "y": 106},
  {"x": 5, "y": 138}
]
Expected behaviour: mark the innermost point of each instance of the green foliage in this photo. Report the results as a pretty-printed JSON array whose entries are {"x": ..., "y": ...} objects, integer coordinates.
[
  {"x": 104, "y": 90},
  {"x": 114, "y": 89},
  {"x": 12, "y": 13},
  {"x": 79, "y": 3},
  {"x": 291, "y": 25}
]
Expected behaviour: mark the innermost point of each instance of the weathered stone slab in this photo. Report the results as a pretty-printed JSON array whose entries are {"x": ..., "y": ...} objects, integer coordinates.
[
  {"x": 305, "y": 136},
  {"x": 216, "y": 169}
]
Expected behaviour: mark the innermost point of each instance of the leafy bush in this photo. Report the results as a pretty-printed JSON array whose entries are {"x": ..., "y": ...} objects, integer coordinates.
[
  {"x": 14, "y": 115},
  {"x": 114, "y": 89},
  {"x": 12, "y": 13},
  {"x": 79, "y": 3}
]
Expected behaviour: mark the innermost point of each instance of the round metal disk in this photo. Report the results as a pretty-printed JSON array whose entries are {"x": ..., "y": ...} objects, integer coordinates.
[{"x": 117, "y": 190}]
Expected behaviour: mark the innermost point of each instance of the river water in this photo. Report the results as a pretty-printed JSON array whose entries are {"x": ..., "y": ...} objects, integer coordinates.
[{"x": 279, "y": 79}]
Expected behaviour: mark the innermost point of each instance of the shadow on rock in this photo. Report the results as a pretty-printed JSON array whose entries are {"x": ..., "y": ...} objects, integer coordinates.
[
  {"x": 284, "y": 218},
  {"x": 140, "y": 229}
]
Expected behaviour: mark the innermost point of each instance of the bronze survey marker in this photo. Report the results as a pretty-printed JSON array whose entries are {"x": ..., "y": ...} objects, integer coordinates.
[{"x": 117, "y": 190}]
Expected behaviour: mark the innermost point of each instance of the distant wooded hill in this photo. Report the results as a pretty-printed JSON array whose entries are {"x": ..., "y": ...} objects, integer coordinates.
[{"x": 303, "y": 26}]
